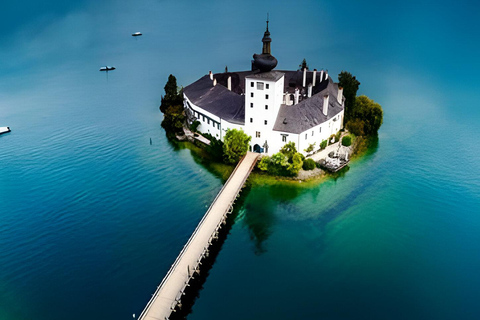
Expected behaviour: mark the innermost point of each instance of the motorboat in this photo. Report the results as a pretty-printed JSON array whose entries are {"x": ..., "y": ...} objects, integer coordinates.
[
  {"x": 107, "y": 68},
  {"x": 4, "y": 129}
]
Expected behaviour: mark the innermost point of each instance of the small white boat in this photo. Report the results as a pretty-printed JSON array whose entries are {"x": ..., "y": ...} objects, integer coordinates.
[
  {"x": 4, "y": 129},
  {"x": 136, "y": 34},
  {"x": 107, "y": 68}
]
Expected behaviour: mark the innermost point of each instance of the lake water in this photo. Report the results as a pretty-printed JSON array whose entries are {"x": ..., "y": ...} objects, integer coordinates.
[{"x": 92, "y": 215}]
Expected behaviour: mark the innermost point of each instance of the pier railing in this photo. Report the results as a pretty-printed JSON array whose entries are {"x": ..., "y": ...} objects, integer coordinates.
[{"x": 191, "y": 261}]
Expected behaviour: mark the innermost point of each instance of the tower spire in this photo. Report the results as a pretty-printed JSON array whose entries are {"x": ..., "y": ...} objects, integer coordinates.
[{"x": 267, "y": 21}]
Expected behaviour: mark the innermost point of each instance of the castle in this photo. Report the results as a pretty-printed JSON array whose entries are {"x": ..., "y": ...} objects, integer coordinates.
[{"x": 273, "y": 107}]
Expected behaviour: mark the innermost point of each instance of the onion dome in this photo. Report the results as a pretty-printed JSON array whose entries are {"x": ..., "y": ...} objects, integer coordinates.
[{"x": 265, "y": 62}]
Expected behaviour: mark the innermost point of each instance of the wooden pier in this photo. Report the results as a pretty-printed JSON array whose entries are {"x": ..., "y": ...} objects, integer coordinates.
[{"x": 169, "y": 293}]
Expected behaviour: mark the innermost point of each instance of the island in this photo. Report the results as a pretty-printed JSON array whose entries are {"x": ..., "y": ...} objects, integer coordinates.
[{"x": 297, "y": 120}]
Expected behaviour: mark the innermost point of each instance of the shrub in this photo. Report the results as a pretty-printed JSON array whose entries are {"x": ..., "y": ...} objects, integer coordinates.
[
  {"x": 310, "y": 148},
  {"x": 347, "y": 141},
  {"x": 308, "y": 164},
  {"x": 194, "y": 126},
  {"x": 264, "y": 163},
  {"x": 323, "y": 145},
  {"x": 296, "y": 164},
  {"x": 337, "y": 136},
  {"x": 289, "y": 150},
  {"x": 330, "y": 139}
]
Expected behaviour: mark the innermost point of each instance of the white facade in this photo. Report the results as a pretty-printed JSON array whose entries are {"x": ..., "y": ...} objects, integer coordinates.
[
  {"x": 262, "y": 102},
  {"x": 264, "y": 96}
]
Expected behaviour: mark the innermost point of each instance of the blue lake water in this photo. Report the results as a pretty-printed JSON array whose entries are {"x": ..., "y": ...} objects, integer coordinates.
[{"x": 92, "y": 215}]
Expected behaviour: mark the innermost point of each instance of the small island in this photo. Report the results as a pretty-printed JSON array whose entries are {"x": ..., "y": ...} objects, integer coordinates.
[{"x": 298, "y": 121}]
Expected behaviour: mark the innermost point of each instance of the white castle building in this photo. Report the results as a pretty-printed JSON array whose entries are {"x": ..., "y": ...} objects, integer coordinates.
[{"x": 272, "y": 106}]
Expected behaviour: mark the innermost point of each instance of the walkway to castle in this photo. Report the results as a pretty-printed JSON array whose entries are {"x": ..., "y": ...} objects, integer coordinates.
[{"x": 170, "y": 291}]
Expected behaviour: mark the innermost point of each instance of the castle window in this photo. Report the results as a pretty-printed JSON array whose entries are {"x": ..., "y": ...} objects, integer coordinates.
[
  {"x": 198, "y": 115},
  {"x": 251, "y": 120},
  {"x": 312, "y": 133},
  {"x": 257, "y": 134},
  {"x": 266, "y": 107},
  {"x": 320, "y": 129},
  {"x": 266, "y": 96},
  {"x": 305, "y": 136},
  {"x": 218, "y": 126},
  {"x": 267, "y": 86},
  {"x": 252, "y": 84},
  {"x": 284, "y": 137},
  {"x": 265, "y": 121},
  {"x": 203, "y": 118},
  {"x": 259, "y": 85},
  {"x": 208, "y": 121},
  {"x": 251, "y": 105},
  {"x": 213, "y": 123},
  {"x": 251, "y": 94}
]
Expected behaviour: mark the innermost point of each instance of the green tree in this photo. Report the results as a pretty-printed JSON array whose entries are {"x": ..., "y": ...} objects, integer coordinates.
[
  {"x": 323, "y": 144},
  {"x": 173, "y": 119},
  {"x": 296, "y": 164},
  {"x": 264, "y": 163},
  {"x": 173, "y": 96},
  {"x": 370, "y": 113},
  {"x": 289, "y": 150},
  {"x": 310, "y": 148},
  {"x": 235, "y": 145},
  {"x": 303, "y": 65},
  {"x": 350, "y": 86},
  {"x": 194, "y": 126}
]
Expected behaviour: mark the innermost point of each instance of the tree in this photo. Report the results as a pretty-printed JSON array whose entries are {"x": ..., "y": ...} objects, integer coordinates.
[
  {"x": 172, "y": 95},
  {"x": 310, "y": 148},
  {"x": 296, "y": 164},
  {"x": 289, "y": 150},
  {"x": 350, "y": 86},
  {"x": 370, "y": 113},
  {"x": 303, "y": 65},
  {"x": 323, "y": 144},
  {"x": 235, "y": 145},
  {"x": 173, "y": 119}
]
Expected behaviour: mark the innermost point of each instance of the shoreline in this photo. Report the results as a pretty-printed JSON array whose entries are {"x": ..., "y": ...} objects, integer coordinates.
[{"x": 313, "y": 177}]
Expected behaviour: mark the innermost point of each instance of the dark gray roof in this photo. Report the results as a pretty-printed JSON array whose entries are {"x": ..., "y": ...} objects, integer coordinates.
[
  {"x": 308, "y": 113},
  {"x": 217, "y": 100},
  {"x": 230, "y": 105},
  {"x": 268, "y": 76}
]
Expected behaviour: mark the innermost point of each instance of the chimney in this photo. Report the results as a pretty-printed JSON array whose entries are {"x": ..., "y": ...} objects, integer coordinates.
[
  {"x": 229, "y": 83},
  {"x": 340, "y": 95},
  {"x": 325, "y": 104},
  {"x": 297, "y": 94},
  {"x": 287, "y": 99},
  {"x": 304, "y": 77},
  {"x": 310, "y": 86},
  {"x": 214, "y": 82},
  {"x": 326, "y": 75},
  {"x": 321, "y": 75},
  {"x": 211, "y": 75},
  {"x": 314, "y": 77}
]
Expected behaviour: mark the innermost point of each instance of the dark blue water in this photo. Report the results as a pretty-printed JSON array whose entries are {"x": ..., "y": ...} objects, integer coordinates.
[{"x": 92, "y": 215}]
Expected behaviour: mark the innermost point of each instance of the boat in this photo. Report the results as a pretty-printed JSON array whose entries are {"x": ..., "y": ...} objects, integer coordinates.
[
  {"x": 136, "y": 34},
  {"x": 4, "y": 129},
  {"x": 107, "y": 68}
]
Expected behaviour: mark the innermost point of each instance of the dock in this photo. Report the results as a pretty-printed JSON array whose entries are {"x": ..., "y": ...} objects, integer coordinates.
[
  {"x": 4, "y": 129},
  {"x": 167, "y": 298}
]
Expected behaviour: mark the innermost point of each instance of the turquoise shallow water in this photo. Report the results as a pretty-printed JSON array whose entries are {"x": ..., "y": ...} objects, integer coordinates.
[{"x": 92, "y": 215}]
